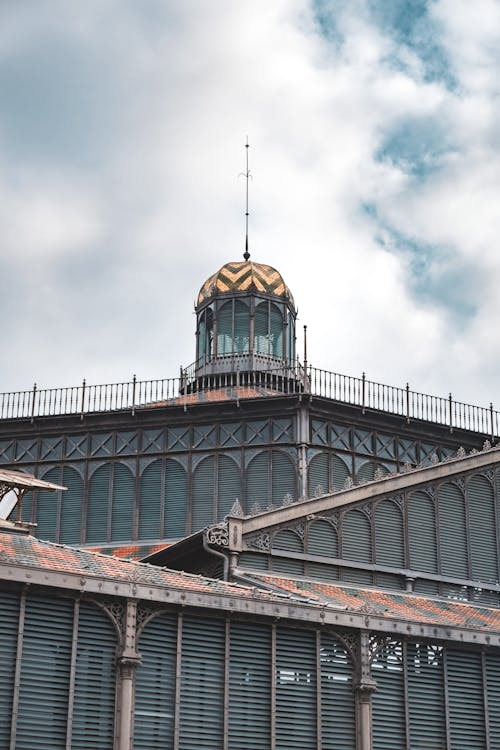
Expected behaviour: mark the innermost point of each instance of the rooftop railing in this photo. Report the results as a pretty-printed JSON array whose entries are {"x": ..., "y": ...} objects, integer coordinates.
[{"x": 347, "y": 389}]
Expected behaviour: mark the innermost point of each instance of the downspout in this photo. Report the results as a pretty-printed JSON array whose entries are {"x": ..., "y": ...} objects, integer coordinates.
[{"x": 211, "y": 551}]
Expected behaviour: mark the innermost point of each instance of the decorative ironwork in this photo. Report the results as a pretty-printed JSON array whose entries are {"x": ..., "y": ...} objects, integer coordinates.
[
  {"x": 461, "y": 452},
  {"x": 218, "y": 535},
  {"x": 236, "y": 511},
  {"x": 261, "y": 542},
  {"x": 300, "y": 529},
  {"x": 115, "y": 610},
  {"x": 145, "y": 613}
]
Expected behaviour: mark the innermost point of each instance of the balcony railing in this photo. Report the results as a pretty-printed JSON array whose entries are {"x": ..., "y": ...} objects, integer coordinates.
[{"x": 361, "y": 392}]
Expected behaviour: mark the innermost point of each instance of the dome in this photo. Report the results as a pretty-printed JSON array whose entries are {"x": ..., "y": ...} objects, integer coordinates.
[{"x": 245, "y": 276}]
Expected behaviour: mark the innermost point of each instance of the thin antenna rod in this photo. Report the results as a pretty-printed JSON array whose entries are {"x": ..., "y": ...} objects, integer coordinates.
[{"x": 246, "y": 254}]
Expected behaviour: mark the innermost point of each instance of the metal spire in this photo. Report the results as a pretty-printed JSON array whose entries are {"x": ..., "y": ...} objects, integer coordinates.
[{"x": 247, "y": 176}]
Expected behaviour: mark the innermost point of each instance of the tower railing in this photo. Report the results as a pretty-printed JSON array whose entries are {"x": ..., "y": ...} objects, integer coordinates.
[{"x": 273, "y": 380}]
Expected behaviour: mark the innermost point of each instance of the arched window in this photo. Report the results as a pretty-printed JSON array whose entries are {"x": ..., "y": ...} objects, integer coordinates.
[
  {"x": 233, "y": 328},
  {"x": 205, "y": 335},
  {"x": 268, "y": 335}
]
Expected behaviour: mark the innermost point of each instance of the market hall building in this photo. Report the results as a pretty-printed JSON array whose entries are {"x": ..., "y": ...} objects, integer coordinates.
[{"x": 255, "y": 555}]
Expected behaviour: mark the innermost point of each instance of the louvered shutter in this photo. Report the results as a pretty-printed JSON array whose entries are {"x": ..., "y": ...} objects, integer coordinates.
[
  {"x": 45, "y": 674},
  {"x": 340, "y": 473},
  {"x": 261, "y": 338},
  {"x": 71, "y": 507},
  {"x": 203, "y": 494},
  {"x": 426, "y": 700},
  {"x": 150, "y": 501},
  {"x": 249, "y": 687},
  {"x": 317, "y": 478},
  {"x": 492, "y": 662},
  {"x": 338, "y": 723},
  {"x": 229, "y": 485},
  {"x": 225, "y": 329},
  {"x": 452, "y": 531},
  {"x": 296, "y": 722},
  {"x": 175, "y": 500},
  {"x": 47, "y": 508},
  {"x": 257, "y": 482},
  {"x": 482, "y": 525},
  {"x": 388, "y": 707},
  {"x": 202, "y": 684},
  {"x": 422, "y": 532},
  {"x": 465, "y": 699},
  {"x": 123, "y": 503},
  {"x": 241, "y": 327},
  {"x": 389, "y": 541},
  {"x": 276, "y": 331},
  {"x": 155, "y": 685},
  {"x": 98, "y": 503},
  {"x": 94, "y": 701},
  {"x": 9, "y": 617},
  {"x": 322, "y": 540},
  {"x": 284, "y": 482},
  {"x": 253, "y": 560},
  {"x": 287, "y": 541},
  {"x": 356, "y": 545}
]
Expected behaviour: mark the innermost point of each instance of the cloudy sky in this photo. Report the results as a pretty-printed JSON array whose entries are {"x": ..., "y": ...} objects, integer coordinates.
[{"x": 375, "y": 155}]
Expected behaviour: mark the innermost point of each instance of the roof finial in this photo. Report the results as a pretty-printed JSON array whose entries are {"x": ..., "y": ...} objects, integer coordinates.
[{"x": 247, "y": 175}]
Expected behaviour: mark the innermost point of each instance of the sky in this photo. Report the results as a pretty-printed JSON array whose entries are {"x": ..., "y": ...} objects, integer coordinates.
[{"x": 375, "y": 163}]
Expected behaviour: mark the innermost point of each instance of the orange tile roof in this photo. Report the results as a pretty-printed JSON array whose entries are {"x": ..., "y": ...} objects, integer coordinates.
[
  {"x": 131, "y": 551},
  {"x": 230, "y": 393}
]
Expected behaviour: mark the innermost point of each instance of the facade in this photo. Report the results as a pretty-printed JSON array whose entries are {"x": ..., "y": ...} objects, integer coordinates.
[{"x": 320, "y": 553}]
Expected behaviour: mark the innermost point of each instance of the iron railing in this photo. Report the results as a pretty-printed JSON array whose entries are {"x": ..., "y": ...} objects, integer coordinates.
[{"x": 361, "y": 392}]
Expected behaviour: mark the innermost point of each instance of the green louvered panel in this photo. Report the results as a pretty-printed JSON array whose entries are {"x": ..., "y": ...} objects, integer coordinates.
[
  {"x": 366, "y": 472},
  {"x": 249, "y": 687},
  {"x": 389, "y": 732},
  {"x": 261, "y": 337},
  {"x": 284, "y": 483},
  {"x": 389, "y": 540},
  {"x": 241, "y": 327},
  {"x": 71, "y": 507},
  {"x": 422, "y": 532},
  {"x": 26, "y": 509},
  {"x": 9, "y": 617},
  {"x": 318, "y": 475},
  {"x": 123, "y": 503},
  {"x": 229, "y": 485},
  {"x": 493, "y": 687},
  {"x": 155, "y": 685},
  {"x": 276, "y": 331},
  {"x": 338, "y": 723},
  {"x": 253, "y": 560},
  {"x": 465, "y": 699},
  {"x": 322, "y": 540},
  {"x": 94, "y": 701},
  {"x": 288, "y": 541},
  {"x": 257, "y": 482},
  {"x": 98, "y": 504},
  {"x": 482, "y": 529},
  {"x": 452, "y": 532},
  {"x": 296, "y": 707},
  {"x": 340, "y": 473},
  {"x": 151, "y": 493},
  {"x": 203, "y": 494},
  {"x": 426, "y": 699},
  {"x": 356, "y": 545},
  {"x": 202, "y": 684},
  {"x": 225, "y": 329},
  {"x": 45, "y": 674},
  {"x": 47, "y": 507},
  {"x": 175, "y": 500},
  {"x": 426, "y": 587}
]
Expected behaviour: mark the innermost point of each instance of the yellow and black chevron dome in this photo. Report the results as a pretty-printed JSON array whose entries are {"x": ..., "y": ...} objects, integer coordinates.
[{"x": 245, "y": 276}]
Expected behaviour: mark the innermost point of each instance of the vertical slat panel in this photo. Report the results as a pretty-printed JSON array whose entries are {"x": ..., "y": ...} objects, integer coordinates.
[
  {"x": 203, "y": 494},
  {"x": 98, "y": 503},
  {"x": 276, "y": 331},
  {"x": 291, "y": 542},
  {"x": 356, "y": 545},
  {"x": 337, "y": 697},
  {"x": 466, "y": 704},
  {"x": 150, "y": 501},
  {"x": 426, "y": 702},
  {"x": 45, "y": 673},
  {"x": 389, "y": 720},
  {"x": 257, "y": 480},
  {"x": 389, "y": 541},
  {"x": 250, "y": 687},
  {"x": 123, "y": 503},
  {"x": 340, "y": 473},
  {"x": 483, "y": 537},
  {"x": 175, "y": 500},
  {"x": 295, "y": 689},
  {"x": 422, "y": 532},
  {"x": 47, "y": 507},
  {"x": 94, "y": 700},
  {"x": 155, "y": 685},
  {"x": 9, "y": 617},
  {"x": 71, "y": 507},
  {"x": 202, "y": 684},
  {"x": 318, "y": 475},
  {"x": 229, "y": 485},
  {"x": 241, "y": 327},
  {"x": 261, "y": 337},
  {"x": 493, "y": 693},
  {"x": 225, "y": 341},
  {"x": 452, "y": 532},
  {"x": 284, "y": 483},
  {"x": 322, "y": 540}
]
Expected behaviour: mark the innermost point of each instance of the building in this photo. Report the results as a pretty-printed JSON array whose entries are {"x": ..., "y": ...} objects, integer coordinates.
[{"x": 319, "y": 553}]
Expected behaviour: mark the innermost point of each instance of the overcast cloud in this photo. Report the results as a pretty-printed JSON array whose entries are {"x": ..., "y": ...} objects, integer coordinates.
[{"x": 375, "y": 154}]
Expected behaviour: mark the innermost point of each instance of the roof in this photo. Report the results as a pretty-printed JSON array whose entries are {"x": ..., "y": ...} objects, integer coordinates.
[
  {"x": 21, "y": 480},
  {"x": 229, "y": 393},
  {"x": 131, "y": 551},
  {"x": 387, "y": 604},
  {"x": 245, "y": 276}
]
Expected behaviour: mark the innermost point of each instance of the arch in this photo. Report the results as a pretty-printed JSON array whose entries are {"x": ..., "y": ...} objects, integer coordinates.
[
  {"x": 257, "y": 482},
  {"x": 322, "y": 539},
  {"x": 318, "y": 479},
  {"x": 340, "y": 473},
  {"x": 482, "y": 527},
  {"x": 366, "y": 472},
  {"x": 356, "y": 536},
  {"x": 233, "y": 327},
  {"x": 47, "y": 507},
  {"x": 122, "y": 508},
  {"x": 71, "y": 506},
  {"x": 110, "y": 506},
  {"x": 175, "y": 508},
  {"x": 389, "y": 534},
  {"x": 284, "y": 480},
  {"x": 270, "y": 477},
  {"x": 422, "y": 532},
  {"x": 202, "y": 509},
  {"x": 150, "y": 500},
  {"x": 97, "y": 504},
  {"x": 228, "y": 485},
  {"x": 452, "y": 531}
]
